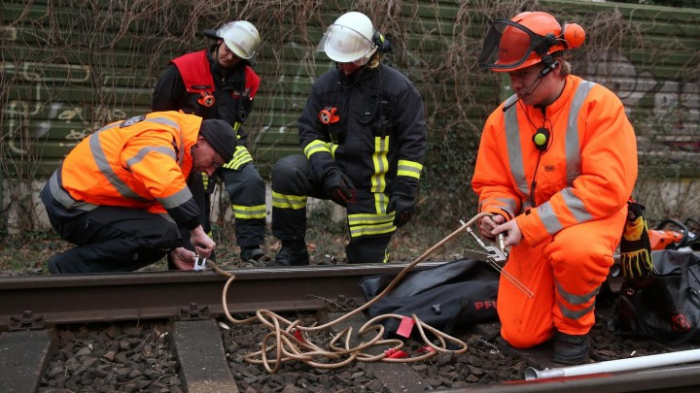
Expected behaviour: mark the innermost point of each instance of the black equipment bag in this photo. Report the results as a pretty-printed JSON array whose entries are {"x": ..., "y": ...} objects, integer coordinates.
[
  {"x": 665, "y": 306},
  {"x": 453, "y": 295}
]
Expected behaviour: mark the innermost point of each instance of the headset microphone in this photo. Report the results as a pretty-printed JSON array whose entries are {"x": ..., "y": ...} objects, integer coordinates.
[
  {"x": 521, "y": 96},
  {"x": 541, "y": 139},
  {"x": 550, "y": 64}
]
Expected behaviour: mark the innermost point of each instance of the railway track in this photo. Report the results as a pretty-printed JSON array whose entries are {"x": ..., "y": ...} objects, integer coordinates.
[{"x": 32, "y": 307}]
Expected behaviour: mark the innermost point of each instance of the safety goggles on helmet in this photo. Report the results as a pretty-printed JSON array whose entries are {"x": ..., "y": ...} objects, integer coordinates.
[
  {"x": 510, "y": 46},
  {"x": 345, "y": 45}
]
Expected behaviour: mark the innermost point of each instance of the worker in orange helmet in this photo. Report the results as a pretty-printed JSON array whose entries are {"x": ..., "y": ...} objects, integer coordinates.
[{"x": 556, "y": 166}]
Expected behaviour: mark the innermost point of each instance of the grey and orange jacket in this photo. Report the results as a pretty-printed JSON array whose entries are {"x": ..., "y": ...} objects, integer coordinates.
[{"x": 138, "y": 163}]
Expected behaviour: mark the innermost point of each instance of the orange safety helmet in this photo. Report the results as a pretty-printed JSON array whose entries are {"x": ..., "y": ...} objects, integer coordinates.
[{"x": 527, "y": 39}]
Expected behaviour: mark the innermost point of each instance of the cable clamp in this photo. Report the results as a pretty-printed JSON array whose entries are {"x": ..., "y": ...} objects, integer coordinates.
[{"x": 200, "y": 264}]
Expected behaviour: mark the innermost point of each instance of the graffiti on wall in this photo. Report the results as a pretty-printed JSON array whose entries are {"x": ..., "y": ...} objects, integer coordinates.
[
  {"x": 633, "y": 85},
  {"x": 44, "y": 108}
]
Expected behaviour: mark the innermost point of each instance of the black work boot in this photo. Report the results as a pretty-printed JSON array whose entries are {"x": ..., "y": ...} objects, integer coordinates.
[
  {"x": 289, "y": 256},
  {"x": 251, "y": 253},
  {"x": 570, "y": 349}
]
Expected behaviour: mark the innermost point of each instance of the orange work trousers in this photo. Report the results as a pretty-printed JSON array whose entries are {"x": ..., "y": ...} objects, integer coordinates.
[{"x": 577, "y": 259}]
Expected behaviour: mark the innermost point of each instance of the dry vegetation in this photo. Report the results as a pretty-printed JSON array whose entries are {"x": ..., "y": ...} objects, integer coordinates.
[{"x": 125, "y": 46}]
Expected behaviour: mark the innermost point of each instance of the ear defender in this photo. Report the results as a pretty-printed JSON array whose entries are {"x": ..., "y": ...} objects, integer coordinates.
[
  {"x": 573, "y": 35},
  {"x": 541, "y": 139}
]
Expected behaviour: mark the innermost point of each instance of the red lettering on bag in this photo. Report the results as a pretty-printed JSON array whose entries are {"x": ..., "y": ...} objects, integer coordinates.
[
  {"x": 485, "y": 305},
  {"x": 680, "y": 323}
]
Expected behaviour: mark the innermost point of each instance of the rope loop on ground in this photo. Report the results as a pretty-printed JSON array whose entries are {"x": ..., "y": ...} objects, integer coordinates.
[{"x": 289, "y": 341}]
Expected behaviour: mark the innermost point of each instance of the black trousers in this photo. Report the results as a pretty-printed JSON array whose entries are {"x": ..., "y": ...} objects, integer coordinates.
[
  {"x": 292, "y": 175},
  {"x": 244, "y": 187},
  {"x": 112, "y": 239}
]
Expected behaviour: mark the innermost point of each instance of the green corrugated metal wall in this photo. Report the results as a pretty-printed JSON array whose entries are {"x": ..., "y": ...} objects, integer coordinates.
[{"x": 70, "y": 66}]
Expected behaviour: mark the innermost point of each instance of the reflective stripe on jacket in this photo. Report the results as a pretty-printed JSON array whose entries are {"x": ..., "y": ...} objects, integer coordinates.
[
  {"x": 140, "y": 163},
  {"x": 587, "y": 173},
  {"x": 379, "y": 140}
]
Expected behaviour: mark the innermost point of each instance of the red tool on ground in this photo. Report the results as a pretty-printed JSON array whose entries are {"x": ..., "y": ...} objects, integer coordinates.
[{"x": 671, "y": 234}]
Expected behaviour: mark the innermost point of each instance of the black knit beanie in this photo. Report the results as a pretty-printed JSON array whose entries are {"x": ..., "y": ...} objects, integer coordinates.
[{"x": 220, "y": 136}]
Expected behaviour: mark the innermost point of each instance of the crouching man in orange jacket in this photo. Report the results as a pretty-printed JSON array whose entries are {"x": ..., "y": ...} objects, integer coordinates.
[
  {"x": 121, "y": 193},
  {"x": 556, "y": 165}
]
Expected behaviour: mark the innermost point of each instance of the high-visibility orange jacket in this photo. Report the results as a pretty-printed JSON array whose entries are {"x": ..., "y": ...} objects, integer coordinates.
[
  {"x": 140, "y": 163},
  {"x": 587, "y": 173},
  {"x": 569, "y": 202}
]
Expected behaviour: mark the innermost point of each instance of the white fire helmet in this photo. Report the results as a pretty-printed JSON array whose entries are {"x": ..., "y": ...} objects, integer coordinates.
[
  {"x": 349, "y": 39},
  {"x": 241, "y": 37}
]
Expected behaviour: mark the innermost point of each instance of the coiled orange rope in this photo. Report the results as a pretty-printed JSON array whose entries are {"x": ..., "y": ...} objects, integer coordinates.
[{"x": 287, "y": 338}]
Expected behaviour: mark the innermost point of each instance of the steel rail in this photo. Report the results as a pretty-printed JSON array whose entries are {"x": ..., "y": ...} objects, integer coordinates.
[{"x": 35, "y": 301}]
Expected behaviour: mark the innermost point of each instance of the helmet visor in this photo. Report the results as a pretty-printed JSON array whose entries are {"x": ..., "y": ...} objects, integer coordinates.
[
  {"x": 241, "y": 39},
  {"x": 345, "y": 45},
  {"x": 239, "y": 50},
  {"x": 509, "y": 44}
]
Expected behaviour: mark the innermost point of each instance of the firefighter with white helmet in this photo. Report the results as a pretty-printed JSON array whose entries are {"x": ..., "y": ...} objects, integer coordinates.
[
  {"x": 349, "y": 39},
  {"x": 363, "y": 134},
  {"x": 241, "y": 37},
  {"x": 219, "y": 83}
]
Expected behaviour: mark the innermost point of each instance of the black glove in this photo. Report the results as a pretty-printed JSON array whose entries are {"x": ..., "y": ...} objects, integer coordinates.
[
  {"x": 403, "y": 205},
  {"x": 338, "y": 186}
]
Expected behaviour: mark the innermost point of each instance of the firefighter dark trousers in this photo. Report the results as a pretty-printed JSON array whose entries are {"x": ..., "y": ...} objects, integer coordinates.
[
  {"x": 246, "y": 191},
  {"x": 292, "y": 182},
  {"x": 112, "y": 239}
]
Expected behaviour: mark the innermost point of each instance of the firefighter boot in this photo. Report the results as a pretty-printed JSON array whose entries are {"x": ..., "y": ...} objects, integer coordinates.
[
  {"x": 251, "y": 253},
  {"x": 291, "y": 255},
  {"x": 570, "y": 349}
]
